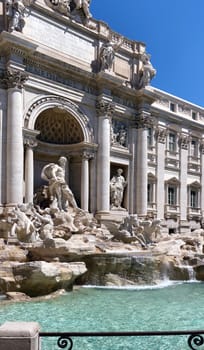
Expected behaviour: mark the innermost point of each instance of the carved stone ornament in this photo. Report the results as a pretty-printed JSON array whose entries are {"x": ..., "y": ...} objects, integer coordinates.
[
  {"x": 77, "y": 10},
  {"x": 62, "y": 6},
  {"x": 144, "y": 121},
  {"x": 104, "y": 108},
  {"x": 87, "y": 155},
  {"x": 145, "y": 74},
  {"x": 16, "y": 11},
  {"x": 161, "y": 134},
  {"x": 107, "y": 54},
  {"x": 184, "y": 141},
  {"x": 30, "y": 142},
  {"x": 118, "y": 134},
  {"x": 14, "y": 79}
]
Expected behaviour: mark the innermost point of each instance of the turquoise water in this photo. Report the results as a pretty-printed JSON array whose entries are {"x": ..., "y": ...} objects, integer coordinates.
[{"x": 176, "y": 307}]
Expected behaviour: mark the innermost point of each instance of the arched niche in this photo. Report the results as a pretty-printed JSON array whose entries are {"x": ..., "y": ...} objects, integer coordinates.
[{"x": 63, "y": 130}]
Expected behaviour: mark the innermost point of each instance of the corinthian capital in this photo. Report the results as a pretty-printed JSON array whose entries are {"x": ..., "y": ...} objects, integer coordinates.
[
  {"x": 87, "y": 155},
  {"x": 105, "y": 108},
  {"x": 184, "y": 140},
  {"x": 144, "y": 121},
  {"x": 14, "y": 78},
  {"x": 161, "y": 134}
]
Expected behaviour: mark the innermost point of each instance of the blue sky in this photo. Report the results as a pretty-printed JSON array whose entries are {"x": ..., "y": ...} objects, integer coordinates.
[{"x": 173, "y": 31}]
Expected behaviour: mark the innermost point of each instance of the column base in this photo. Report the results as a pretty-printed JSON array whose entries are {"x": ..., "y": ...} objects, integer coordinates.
[{"x": 114, "y": 216}]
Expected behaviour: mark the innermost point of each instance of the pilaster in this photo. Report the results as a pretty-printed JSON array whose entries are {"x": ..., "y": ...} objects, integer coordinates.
[
  {"x": 143, "y": 121},
  {"x": 105, "y": 110},
  {"x": 86, "y": 156},
  {"x": 161, "y": 133},
  {"x": 184, "y": 142},
  {"x": 133, "y": 171},
  {"x": 30, "y": 143},
  {"x": 15, "y": 81}
]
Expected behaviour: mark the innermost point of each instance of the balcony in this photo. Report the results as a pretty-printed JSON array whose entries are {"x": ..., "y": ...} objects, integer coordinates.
[
  {"x": 194, "y": 164},
  {"x": 194, "y": 213},
  {"x": 172, "y": 159},
  {"x": 172, "y": 211}
]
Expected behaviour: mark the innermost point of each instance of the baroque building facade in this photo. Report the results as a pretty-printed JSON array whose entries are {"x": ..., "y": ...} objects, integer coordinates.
[{"x": 71, "y": 87}]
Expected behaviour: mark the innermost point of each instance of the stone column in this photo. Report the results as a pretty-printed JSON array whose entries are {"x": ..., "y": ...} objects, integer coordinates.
[
  {"x": 15, "y": 81},
  {"x": 30, "y": 143},
  {"x": 161, "y": 133},
  {"x": 183, "y": 141},
  {"x": 133, "y": 171},
  {"x": 142, "y": 122},
  {"x": 20, "y": 335},
  {"x": 85, "y": 181},
  {"x": 105, "y": 110}
]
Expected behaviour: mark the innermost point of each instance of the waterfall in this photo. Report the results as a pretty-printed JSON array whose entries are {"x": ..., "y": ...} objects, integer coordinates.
[{"x": 190, "y": 271}]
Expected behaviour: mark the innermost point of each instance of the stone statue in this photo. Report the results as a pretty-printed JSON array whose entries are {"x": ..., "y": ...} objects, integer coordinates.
[
  {"x": 147, "y": 72},
  {"x": 15, "y": 12},
  {"x": 122, "y": 136},
  {"x": 130, "y": 231},
  {"x": 84, "y": 6},
  {"x": 23, "y": 226},
  {"x": 62, "y": 6},
  {"x": 77, "y": 10},
  {"x": 151, "y": 229},
  {"x": 107, "y": 54},
  {"x": 61, "y": 195},
  {"x": 117, "y": 185}
]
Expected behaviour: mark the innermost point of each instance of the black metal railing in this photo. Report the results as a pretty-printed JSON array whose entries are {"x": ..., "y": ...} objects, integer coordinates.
[{"x": 194, "y": 341}]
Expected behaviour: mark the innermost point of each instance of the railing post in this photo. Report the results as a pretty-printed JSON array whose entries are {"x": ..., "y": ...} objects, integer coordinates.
[{"x": 19, "y": 336}]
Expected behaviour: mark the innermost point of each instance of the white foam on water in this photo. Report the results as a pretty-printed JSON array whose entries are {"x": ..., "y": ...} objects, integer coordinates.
[{"x": 162, "y": 284}]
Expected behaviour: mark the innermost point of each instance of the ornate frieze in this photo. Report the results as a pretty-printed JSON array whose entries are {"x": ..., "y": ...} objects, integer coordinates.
[
  {"x": 124, "y": 102},
  {"x": 105, "y": 108},
  {"x": 35, "y": 68},
  {"x": 14, "y": 78}
]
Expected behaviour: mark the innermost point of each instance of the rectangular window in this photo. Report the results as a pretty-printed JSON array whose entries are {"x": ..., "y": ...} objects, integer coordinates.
[
  {"x": 149, "y": 193},
  {"x": 194, "y": 199},
  {"x": 194, "y": 148},
  {"x": 194, "y": 115},
  {"x": 172, "y": 107},
  {"x": 172, "y": 195},
  {"x": 149, "y": 137},
  {"x": 172, "y": 142}
]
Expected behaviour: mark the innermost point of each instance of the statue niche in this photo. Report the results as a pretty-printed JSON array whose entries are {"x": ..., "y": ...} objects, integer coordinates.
[{"x": 117, "y": 186}]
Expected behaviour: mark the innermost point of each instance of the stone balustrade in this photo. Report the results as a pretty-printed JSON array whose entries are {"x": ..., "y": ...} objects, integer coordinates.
[{"x": 19, "y": 336}]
